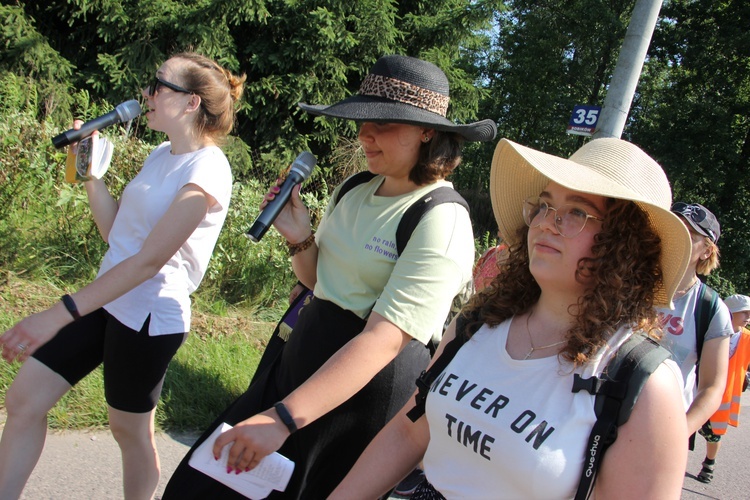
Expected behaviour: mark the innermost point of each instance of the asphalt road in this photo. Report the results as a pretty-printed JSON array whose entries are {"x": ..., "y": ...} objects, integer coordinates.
[
  {"x": 86, "y": 465},
  {"x": 732, "y": 473}
]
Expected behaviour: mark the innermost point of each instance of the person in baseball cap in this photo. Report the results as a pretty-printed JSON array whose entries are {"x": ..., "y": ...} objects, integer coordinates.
[
  {"x": 702, "y": 221},
  {"x": 698, "y": 325},
  {"x": 700, "y": 218}
]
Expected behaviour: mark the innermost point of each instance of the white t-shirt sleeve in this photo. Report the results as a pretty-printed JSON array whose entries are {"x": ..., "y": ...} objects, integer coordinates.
[
  {"x": 721, "y": 323},
  {"x": 210, "y": 172}
]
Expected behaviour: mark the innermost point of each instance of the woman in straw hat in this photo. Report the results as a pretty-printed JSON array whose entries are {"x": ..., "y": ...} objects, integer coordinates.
[
  {"x": 592, "y": 248},
  {"x": 357, "y": 347}
]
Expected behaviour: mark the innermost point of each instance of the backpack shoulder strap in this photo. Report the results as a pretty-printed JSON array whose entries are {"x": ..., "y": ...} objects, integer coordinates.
[
  {"x": 428, "y": 376},
  {"x": 705, "y": 308},
  {"x": 616, "y": 394},
  {"x": 416, "y": 210},
  {"x": 419, "y": 208},
  {"x": 352, "y": 182}
]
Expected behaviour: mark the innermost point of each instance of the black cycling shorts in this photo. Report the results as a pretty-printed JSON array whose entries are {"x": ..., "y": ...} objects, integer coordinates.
[{"x": 134, "y": 362}]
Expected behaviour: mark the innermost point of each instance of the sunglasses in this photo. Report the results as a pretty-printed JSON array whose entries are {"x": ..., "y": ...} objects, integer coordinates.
[
  {"x": 695, "y": 214},
  {"x": 154, "y": 87}
]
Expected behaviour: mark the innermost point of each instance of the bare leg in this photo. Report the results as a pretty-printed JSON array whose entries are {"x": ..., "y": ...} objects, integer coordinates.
[
  {"x": 712, "y": 449},
  {"x": 707, "y": 468},
  {"x": 34, "y": 391},
  {"x": 134, "y": 432}
]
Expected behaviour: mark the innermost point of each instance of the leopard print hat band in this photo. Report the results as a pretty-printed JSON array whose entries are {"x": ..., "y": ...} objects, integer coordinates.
[
  {"x": 402, "y": 89},
  {"x": 397, "y": 90}
]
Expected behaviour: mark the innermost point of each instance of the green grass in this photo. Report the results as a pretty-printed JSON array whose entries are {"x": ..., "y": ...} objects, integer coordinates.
[{"x": 210, "y": 370}]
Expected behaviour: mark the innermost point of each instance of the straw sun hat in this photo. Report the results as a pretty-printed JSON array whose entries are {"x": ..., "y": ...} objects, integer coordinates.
[
  {"x": 606, "y": 167},
  {"x": 401, "y": 89}
]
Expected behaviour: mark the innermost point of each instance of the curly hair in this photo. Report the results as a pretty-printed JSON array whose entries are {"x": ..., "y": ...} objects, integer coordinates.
[
  {"x": 437, "y": 158},
  {"x": 621, "y": 275},
  {"x": 218, "y": 89}
]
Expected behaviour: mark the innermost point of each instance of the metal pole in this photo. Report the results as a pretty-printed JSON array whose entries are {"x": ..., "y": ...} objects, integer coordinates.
[{"x": 628, "y": 69}]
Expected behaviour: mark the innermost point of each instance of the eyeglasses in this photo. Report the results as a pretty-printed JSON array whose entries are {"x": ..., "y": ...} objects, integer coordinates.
[
  {"x": 696, "y": 214},
  {"x": 569, "y": 219},
  {"x": 154, "y": 87}
]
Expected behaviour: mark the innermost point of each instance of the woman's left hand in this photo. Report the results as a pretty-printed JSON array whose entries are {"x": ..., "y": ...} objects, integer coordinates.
[
  {"x": 30, "y": 334},
  {"x": 251, "y": 440}
]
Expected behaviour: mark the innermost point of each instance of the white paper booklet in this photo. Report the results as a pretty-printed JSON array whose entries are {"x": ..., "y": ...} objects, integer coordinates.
[
  {"x": 272, "y": 473},
  {"x": 91, "y": 161}
]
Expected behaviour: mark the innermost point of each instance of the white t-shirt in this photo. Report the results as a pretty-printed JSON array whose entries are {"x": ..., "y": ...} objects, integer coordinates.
[
  {"x": 144, "y": 202},
  {"x": 359, "y": 268},
  {"x": 679, "y": 335},
  {"x": 507, "y": 428}
]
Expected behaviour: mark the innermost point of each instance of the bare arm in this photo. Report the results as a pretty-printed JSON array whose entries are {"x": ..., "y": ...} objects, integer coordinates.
[
  {"x": 293, "y": 223},
  {"x": 649, "y": 457},
  {"x": 342, "y": 376},
  {"x": 394, "y": 452},
  {"x": 712, "y": 378},
  {"x": 103, "y": 206},
  {"x": 178, "y": 223},
  {"x": 305, "y": 265}
]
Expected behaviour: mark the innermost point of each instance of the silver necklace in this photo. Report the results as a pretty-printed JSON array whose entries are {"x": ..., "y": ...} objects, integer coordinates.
[{"x": 531, "y": 341}]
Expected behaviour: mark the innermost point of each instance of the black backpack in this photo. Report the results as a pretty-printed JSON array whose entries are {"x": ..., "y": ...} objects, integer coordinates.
[
  {"x": 616, "y": 392},
  {"x": 415, "y": 212},
  {"x": 705, "y": 309}
]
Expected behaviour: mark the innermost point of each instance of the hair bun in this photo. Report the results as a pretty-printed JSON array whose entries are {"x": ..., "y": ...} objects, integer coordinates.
[{"x": 236, "y": 84}]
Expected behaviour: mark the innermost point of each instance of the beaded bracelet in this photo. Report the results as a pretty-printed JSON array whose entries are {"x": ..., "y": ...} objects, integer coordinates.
[{"x": 295, "y": 248}]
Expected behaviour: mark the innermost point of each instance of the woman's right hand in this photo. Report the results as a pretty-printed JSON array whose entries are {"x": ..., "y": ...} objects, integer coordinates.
[
  {"x": 77, "y": 124},
  {"x": 32, "y": 332},
  {"x": 74, "y": 145},
  {"x": 91, "y": 181},
  {"x": 293, "y": 222}
]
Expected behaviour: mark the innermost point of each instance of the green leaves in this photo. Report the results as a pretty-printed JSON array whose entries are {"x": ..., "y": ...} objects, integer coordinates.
[
  {"x": 692, "y": 113},
  {"x": 523, "y": 63}
]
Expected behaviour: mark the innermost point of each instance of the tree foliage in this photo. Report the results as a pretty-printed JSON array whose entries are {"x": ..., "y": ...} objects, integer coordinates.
[
  {"x": 523, "y": 63},
  {"x": 292, "y": 50},
  {"x": 692, "y": 112}
]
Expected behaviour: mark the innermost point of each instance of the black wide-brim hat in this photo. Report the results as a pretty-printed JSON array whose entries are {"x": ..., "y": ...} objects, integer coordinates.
[{"x": 402, "y": 89}]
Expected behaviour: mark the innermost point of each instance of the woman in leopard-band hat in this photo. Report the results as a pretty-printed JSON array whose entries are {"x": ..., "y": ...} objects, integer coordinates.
[{"x": 357, "y": 347}]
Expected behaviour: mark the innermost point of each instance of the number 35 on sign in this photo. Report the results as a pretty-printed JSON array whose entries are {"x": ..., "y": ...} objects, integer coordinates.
[{"x": 583, "y": 121}]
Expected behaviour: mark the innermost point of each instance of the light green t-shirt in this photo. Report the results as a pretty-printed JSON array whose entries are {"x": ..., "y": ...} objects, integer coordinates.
[{"x": 360, "y": 270}]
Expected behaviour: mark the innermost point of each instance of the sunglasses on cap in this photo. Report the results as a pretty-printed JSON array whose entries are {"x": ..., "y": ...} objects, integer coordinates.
[
  {"x": 158, "y": 82},
  {"x": 698, "y": 215}
]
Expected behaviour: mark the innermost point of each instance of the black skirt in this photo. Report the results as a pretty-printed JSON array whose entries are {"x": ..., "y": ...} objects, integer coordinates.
[{"x": 325, "y": 450}]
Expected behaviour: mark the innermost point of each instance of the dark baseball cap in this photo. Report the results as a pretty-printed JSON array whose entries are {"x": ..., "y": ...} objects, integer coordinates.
[{"x": 700, "y": 218}]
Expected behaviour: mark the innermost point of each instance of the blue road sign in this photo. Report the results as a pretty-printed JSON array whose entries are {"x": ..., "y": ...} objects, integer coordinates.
[{"x": 583, "y": 120}]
